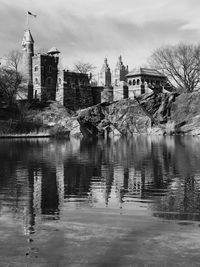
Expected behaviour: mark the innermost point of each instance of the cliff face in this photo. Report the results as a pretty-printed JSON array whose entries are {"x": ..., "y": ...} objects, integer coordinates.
[
  {"x": 149, "y": 114},
  {"x": 123, "y": 117},
  {"x": 144, "y": 115},
  {"x": 186, "y": 113}
]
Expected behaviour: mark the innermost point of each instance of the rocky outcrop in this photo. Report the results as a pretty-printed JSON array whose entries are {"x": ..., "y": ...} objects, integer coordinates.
[
  {"x": 162, "y": 113},
  {"x": 186, "y": 113},
  {"x": 123, "y": 117},
  {"x": 148, "y": 114}
]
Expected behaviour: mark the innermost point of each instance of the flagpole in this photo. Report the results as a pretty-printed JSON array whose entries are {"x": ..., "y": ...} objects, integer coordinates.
[{"x": 27, "y": 21}]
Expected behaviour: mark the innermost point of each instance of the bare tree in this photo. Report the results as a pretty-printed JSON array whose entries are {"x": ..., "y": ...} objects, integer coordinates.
[
  {"x": 13, "y": 60},
  {"x": 10, "y": 77},
  {"x": 180, "y": 63},
  {"x": 84, "y": 67}
]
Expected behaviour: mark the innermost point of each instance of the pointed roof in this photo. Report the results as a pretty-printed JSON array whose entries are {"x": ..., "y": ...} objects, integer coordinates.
[
  {"x": 146, "y": 72},
  {"x": 105, "y": 66},
  {"x": 28, "y": 38},
  {"x": 119, "y": 64}
]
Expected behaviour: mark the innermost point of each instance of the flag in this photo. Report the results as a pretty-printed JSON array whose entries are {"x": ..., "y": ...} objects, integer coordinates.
[{"x": 29, "y": 13}]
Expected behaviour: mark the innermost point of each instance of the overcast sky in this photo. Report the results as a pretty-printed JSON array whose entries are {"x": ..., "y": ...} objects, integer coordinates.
[{"x": 90, "y": 30}]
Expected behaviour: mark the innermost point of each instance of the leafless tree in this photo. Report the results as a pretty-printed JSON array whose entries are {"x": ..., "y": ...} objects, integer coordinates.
[
  {"x": 180, "y": 63},
  {"x": 10, "y": 77},
  {"x": 13, "y": 60},
  {"x": 84, "y": 67}
]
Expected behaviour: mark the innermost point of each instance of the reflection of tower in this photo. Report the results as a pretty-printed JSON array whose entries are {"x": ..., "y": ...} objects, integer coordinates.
[
  {"x": 50, "y": 201},
  {"x": 37, "y": 197},
  {"x": 28, "y": 51},
  {"x": 135, "y": 181},
  {"x": 29, "y": 210},
  {"x": 60, "y": 182},
  {"x": 107, "y": 171}
]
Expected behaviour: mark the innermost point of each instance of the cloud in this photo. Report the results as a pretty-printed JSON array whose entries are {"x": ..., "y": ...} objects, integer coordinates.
[{"x": 92, "y": 29}]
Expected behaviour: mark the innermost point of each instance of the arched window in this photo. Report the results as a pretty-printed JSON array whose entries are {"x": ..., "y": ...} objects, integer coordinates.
[
  {"x": 138, "y": 81},
  {"x": 49, "y": 81},
  {"x": 133, "y": 82},
  {"x": 130, "y": 83},
  {"x": 36, "y": 68}
]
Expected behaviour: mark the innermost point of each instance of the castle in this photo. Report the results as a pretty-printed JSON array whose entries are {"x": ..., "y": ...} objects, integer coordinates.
[{"x": 46, "y": 81}]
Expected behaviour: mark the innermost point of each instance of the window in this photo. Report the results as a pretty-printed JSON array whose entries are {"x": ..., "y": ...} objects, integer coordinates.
[
  {"x": 49, "y": 68},
  {"x": 138, "y": 81},
  {"x": 36, "y": 81},
  {"x": 133, "y": 82},
  {"x": 59, "y": 80},
  {"x": 35, "y": 94},
  {"x": 36, "y": 68},
  {"x": 157, "y": 82},
  {"x": 49, "y": 81},
  {"x": 129, "y": 82},
  {"x": 76, "y": 82}
]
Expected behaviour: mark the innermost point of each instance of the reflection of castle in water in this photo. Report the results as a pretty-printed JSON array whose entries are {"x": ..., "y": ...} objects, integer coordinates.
[{"x": 55, "y": 176}]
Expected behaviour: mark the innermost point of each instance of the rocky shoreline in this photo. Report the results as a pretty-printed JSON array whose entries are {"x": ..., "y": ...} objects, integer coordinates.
[
  {"x": 159, "y": 114},
  {"x": 150, "y": 114}
]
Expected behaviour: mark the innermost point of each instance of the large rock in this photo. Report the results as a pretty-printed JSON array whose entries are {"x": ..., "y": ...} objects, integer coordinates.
[
  {"x": 186, "y": 113},
  {"x": 123, "y": 117}
]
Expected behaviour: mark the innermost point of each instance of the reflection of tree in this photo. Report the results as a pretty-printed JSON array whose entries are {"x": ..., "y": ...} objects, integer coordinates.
[{"x": 43, "y": 174}]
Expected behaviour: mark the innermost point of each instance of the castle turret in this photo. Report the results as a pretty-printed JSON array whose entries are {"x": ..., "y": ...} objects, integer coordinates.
[
  {"x": 120, "y": 71},
  {"x": 28, "y": 52},
  {"x": 120, "y": 88},
  {"x": 105, "y": 74}
]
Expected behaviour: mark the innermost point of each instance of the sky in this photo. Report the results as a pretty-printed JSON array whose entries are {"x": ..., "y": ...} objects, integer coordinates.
[{"x": 90, "y": 30}]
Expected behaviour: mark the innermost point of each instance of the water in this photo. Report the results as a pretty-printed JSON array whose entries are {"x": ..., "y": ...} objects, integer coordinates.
[{"x": 61, "y": 199}]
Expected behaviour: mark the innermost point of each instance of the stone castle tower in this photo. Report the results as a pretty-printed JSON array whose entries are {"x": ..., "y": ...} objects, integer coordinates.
[
  {"x": 45, "y": 74},
  {"x": 120, "y": 88},
  {"x": 105, "y": 74},
  {"x": 28, "y": 52},
  {"x": 120, "y": 72}
]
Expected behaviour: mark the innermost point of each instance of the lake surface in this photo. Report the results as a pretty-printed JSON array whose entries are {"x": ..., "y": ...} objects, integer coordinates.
[{"x": 100, "y": 202}]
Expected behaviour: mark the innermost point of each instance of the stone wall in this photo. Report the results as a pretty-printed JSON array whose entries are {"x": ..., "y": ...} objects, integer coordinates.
[
  {"x": 74, "y": 90},
  {"x": 45, "y": 74},
  {"x": 96, "y": 94},
  {"x": 120, "y": 91},
  {"x": 107, "y": 94}
]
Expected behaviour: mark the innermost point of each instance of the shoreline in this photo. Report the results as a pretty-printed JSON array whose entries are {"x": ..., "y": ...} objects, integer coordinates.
[{"x": 12, "y": 136}]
